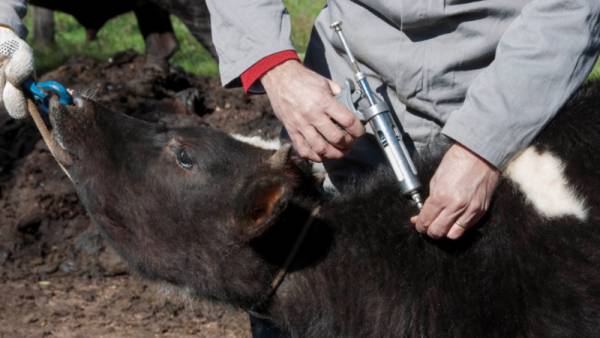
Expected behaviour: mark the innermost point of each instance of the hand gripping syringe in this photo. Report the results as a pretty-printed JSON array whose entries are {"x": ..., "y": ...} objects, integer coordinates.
[{"x": 384, "y": 127}]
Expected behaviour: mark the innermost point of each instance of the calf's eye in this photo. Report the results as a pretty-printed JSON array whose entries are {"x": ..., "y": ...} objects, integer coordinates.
[{"x": 184, "y": 159}]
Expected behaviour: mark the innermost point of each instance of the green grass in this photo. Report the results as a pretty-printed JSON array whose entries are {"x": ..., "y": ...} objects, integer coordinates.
[
  {"x": 192, "y": 56},
  {"x": 122, "y": 33},
  {"x": 596, "y": 72},
  {"x": 303, "y": 14}
]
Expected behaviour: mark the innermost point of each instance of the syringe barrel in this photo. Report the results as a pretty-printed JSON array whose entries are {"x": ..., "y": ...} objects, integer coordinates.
[{"x": 386, "y": 131}]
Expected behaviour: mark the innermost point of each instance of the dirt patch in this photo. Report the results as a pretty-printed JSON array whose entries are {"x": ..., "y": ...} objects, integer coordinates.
[
  {"x": 109, "y": 307},
  {"x": 57, "y": 275}
]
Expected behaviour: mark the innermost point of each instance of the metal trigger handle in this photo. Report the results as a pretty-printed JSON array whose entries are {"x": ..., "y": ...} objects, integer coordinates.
[{"x": 349, "y": 97}]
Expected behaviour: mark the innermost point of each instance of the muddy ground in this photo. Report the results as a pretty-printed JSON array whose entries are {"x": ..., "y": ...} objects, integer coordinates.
[{"x": 58, "y": 278}]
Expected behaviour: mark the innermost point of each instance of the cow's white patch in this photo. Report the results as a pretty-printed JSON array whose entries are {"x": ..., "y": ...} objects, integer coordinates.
[
  {"x": 259, "y": 142},
  {"x": 318, "y": 168},
  {"x": 541, "y": 177}
]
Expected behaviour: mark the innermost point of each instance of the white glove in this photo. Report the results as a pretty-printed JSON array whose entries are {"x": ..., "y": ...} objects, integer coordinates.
[{"x": 16, "y": 65}]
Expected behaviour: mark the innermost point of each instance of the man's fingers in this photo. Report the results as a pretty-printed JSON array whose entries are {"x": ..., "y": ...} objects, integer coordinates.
[
  {"x": 303, "y": 148},
  {"x": 457, "y": 230},
  {"x": 442, "y": 223},
  {"x": 20, "y": 65},
  {"x": 14, "y": 101},
  {"x": 319, "y": 145},
  {"x": 462, "y": 186},
  {"x": 333, "y": 134},
  {"x": 428, "y": 214},
  {"x": 342, "y": 116},
  {"x": 335, "y": 88},
  {"x": 464, "y": 222},
  {"x": 304, "y": 102},
  {"x": 345, "y": 119}
]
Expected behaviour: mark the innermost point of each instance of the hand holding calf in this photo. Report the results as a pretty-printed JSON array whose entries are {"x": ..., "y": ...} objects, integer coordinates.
[
  {"x": 320, "y": 127},
  {"x": 460, "y": 193},
  {"x": 16, "y": 65}
]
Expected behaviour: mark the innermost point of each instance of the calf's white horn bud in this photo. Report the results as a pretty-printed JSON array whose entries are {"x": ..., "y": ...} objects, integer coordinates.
[{"x": 280, "y": 157}]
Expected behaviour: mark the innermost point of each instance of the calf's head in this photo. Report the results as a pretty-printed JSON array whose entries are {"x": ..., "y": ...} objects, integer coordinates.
[{"x": 182, "y": 205}]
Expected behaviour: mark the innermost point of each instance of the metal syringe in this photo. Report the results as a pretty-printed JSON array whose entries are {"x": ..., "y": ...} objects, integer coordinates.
[{"x": 384, "y": 127}]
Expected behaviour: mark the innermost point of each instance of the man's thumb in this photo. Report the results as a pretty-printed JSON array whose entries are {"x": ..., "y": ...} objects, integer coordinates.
[
  {"x": 334, "y": 87},
  {"x": 14, "y": 101}
]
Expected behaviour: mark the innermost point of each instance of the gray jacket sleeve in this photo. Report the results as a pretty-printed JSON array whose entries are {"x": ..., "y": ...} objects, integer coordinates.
[
  {"x": 542, "y": 59},
  {"x": 246, "y": 31},
  {"x": 11, "y": 15}
]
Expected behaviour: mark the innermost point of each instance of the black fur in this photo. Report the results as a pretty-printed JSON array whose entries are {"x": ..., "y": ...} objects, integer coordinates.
[{"x": 363, "y": 270}]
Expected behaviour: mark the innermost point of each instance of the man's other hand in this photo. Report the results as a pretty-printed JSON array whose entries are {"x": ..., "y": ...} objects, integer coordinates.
[
  {"x": 459, "y": 194},
  {"x": 16, "y": 65},
  {"x": 320, "y": 127}
]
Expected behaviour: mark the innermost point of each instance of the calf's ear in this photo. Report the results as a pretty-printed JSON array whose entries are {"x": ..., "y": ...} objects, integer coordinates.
[{"x": 261, "y": 203}]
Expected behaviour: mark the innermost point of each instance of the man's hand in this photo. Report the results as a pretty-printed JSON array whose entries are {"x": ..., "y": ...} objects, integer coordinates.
[
  {"x": 16, "y": 65},
  {"x": 320, "y": 127},
  {"x": 459, "y": 194}
]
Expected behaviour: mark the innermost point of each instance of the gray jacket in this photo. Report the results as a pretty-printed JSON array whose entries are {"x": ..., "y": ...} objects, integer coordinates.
[
  {"x": 11, "y": 15},
  {"x": 488, "y": 74}
]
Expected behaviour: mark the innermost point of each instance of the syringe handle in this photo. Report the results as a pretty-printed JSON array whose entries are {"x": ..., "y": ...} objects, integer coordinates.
[{"x": 388, "y": 136}]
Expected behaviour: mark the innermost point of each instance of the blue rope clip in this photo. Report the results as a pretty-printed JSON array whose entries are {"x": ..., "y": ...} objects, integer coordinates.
[{"x": 42, "y": 91}]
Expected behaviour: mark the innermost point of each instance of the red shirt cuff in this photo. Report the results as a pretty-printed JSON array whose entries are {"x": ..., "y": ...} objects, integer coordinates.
[{"x": 254, "y": 73}]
